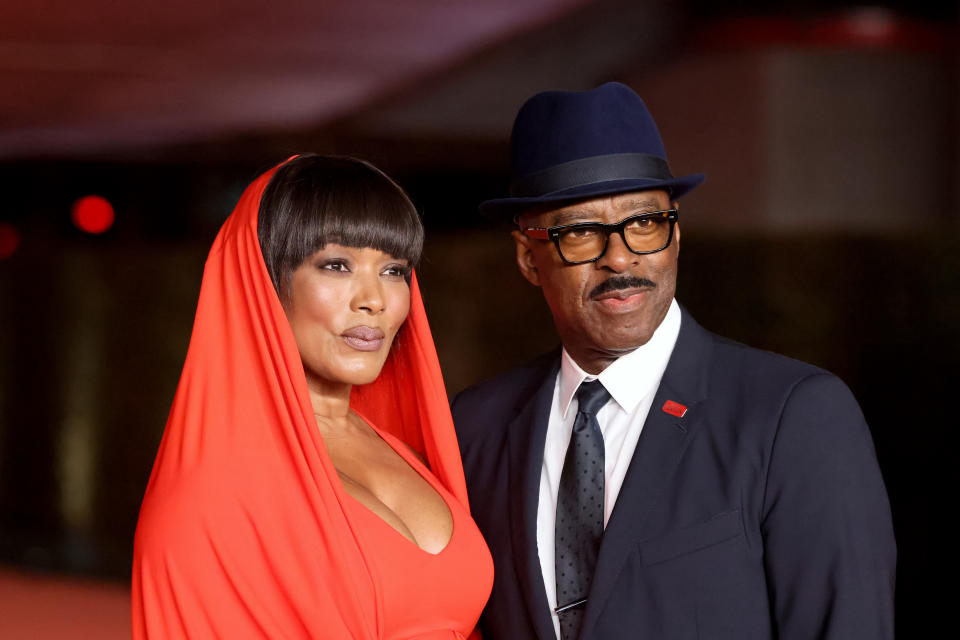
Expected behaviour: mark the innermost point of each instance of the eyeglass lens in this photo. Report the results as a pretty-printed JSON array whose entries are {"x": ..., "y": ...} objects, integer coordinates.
[{"x": 586, "y": 242}]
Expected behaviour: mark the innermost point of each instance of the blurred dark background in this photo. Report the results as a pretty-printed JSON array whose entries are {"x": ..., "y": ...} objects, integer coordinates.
[{"x": 827, "y": 228}]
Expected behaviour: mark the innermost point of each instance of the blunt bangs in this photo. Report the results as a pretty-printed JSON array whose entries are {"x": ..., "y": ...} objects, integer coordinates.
[{"x": 315, "y": 200}]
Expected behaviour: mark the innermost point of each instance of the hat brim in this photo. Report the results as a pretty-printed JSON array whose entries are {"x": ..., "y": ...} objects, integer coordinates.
[{"x": 510, "y": 207}]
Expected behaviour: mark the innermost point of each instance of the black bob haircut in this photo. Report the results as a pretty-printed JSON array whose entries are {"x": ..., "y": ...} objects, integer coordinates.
[{"x": 314, "y": 200}]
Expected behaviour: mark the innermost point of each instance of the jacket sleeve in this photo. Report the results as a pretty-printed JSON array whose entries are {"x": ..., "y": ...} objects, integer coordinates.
[{"x": 829, "y": 550}]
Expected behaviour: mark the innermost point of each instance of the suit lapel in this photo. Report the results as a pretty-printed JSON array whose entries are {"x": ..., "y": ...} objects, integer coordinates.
[
  {"x": 662, "y": 442},
  {"x": 526, "y": 436}
]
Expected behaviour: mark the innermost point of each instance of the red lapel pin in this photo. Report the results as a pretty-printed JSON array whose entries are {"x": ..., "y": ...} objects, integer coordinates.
[{"x": 674, "y": 408}]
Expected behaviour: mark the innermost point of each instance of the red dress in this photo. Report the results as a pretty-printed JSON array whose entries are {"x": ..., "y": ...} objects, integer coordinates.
[
  {"x": 425, "y": 595},
  {"x": 245, "y": 529}
]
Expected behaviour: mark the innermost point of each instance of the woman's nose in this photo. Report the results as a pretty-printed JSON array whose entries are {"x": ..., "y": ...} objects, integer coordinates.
[{"x": 368, "y": 296}]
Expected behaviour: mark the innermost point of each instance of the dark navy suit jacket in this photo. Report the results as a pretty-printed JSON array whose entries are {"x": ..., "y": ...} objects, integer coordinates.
[{"x": 760, "y": 513}]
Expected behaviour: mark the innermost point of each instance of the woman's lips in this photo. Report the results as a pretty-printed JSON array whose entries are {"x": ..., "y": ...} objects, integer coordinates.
[{"x": 363, "y": 338}]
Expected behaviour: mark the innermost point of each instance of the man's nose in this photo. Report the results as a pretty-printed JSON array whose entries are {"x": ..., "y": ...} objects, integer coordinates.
[{"x": 617, "y": 257}]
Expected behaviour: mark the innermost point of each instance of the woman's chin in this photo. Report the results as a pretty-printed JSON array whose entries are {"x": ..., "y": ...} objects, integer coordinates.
[
  {"x": 358, "y": 373},
  {"x": 361, "y": 379},
  {"x": 344, "y": 366}
]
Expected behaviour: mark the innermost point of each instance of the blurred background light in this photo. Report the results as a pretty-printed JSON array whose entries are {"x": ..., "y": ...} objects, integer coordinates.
[
  {"x": 9, "y": 240},
  {"x": 872, "y": 22},
  {"x": 93, "y": 214}
]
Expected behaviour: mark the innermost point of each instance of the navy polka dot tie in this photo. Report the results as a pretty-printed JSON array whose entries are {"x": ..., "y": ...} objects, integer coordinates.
[{"x": 579, "y": 526}]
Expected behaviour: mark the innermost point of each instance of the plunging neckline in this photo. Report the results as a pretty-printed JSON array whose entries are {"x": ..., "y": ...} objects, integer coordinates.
[{"x": 416, "y": 466}]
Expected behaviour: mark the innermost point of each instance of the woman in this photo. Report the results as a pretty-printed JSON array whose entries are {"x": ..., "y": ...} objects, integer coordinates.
[{"x": 308, "y": 484}]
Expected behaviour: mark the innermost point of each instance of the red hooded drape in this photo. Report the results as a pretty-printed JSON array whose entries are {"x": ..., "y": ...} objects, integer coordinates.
[{"x": 242, "y": 532}]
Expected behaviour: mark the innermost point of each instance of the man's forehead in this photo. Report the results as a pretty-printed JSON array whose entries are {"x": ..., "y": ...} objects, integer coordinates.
[{"x": 623, "y": 203}]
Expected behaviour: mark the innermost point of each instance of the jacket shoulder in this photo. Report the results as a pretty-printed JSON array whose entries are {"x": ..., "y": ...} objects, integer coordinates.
[
  {"x": 756, "y": 382},
  {"x": 496, "y": 400},
  {"x": 758, "y": 365},
  {"x": 718, "y": 361},
  {"x": 781, "y": 391}
]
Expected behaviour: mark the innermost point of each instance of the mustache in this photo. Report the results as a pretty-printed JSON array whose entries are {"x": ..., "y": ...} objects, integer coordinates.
[{"x": 617, "y": 283}]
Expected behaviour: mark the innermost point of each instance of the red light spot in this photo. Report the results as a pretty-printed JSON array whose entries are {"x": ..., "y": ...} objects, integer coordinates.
[
  {"x": 93, "y": 214},
  {"x": 9, "y": 240}
]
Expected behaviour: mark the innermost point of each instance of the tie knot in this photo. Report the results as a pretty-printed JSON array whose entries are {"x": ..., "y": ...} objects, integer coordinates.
[{"x": 591, "y": 396}]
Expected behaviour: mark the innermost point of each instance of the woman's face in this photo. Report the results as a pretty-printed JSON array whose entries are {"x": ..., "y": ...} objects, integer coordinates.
[{"x": 345, "y": 306}]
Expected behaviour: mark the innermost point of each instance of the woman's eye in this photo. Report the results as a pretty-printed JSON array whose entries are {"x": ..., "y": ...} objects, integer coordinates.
[
  {"x": 397, "y": 270},
  {"x": 335, "y": 265}
]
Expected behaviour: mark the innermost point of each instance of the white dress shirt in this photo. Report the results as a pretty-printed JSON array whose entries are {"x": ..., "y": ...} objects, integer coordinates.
[{"x": 632, "y": 381}]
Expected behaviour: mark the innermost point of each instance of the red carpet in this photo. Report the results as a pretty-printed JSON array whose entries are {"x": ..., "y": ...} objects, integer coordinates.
[{"x": 43, "y": 606}]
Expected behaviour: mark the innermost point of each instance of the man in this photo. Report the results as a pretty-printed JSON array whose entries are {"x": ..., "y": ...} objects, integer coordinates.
[{"x": 652, "y": 480}]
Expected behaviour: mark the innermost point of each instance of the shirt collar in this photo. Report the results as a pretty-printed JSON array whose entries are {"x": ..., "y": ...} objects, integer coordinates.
[{"x": 631, "y": 377}]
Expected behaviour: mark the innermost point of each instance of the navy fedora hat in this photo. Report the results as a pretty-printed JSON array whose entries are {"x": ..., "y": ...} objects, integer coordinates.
[{"x": 572, "y": 145}]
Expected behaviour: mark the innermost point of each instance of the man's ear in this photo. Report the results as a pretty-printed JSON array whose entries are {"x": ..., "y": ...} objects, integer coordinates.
[
  {"x": 525, "y": 258},
  {"x": 676, "y": 228}
]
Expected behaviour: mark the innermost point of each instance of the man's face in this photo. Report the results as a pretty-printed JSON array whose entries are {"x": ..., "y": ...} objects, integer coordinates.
[{"x": 610, "y": 307}]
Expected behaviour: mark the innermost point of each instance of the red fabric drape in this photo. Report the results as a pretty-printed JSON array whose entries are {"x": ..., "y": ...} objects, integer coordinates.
[{"x": 242, "y": 531}]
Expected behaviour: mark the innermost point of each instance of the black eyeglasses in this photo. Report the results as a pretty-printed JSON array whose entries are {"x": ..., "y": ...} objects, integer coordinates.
[{"x": 587, "y": 241}]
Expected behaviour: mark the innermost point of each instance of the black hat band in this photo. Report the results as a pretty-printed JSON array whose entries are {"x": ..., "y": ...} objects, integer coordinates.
[{"x": 591, "y": 170}]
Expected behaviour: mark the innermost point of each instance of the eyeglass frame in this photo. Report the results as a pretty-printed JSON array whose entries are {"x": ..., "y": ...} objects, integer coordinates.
[{"x": 553, "y": 233}]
